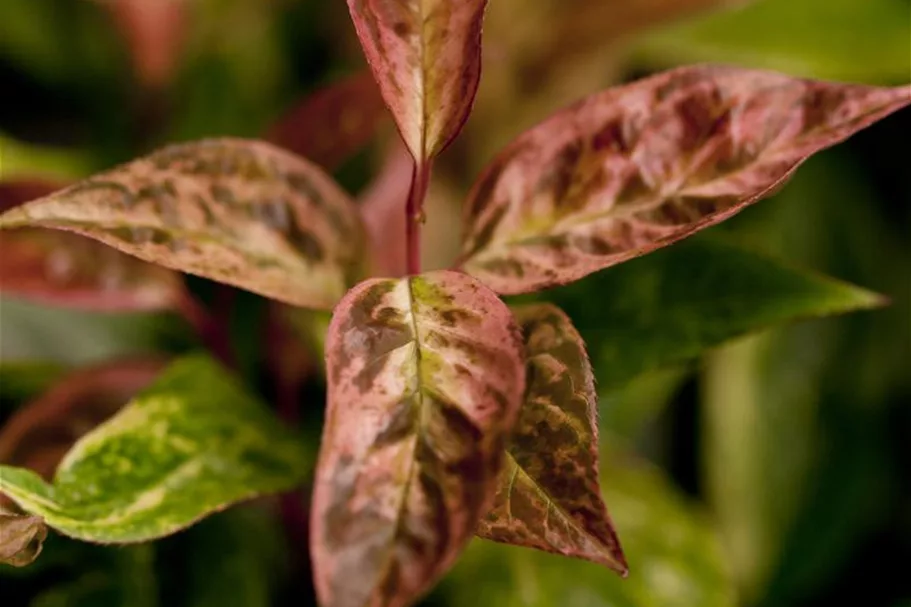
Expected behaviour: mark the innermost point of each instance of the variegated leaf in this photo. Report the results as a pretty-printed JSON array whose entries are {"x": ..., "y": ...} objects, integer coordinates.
[
  {"x": 425, "y": 383},
  {"x": 639, "y": 167},
  {"x": 192, "y": 443},
  {"x": 549, "y": 496},
  {"x": 67, "y": 269},
  {"x": 21, "y": 538},
  {"x": 333, "y": 123},
  {"x": 40, "y": 433},
  {"x": 240, "y": 212},
  {"x": 426, "y": 57}
]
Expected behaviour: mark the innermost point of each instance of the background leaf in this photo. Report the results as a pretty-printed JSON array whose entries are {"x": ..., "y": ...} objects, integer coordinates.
[
  {"x": 240, "y": 212},
  {"x": 191, "y": 444},
  {"x": 832, "y": 39},
  {"x": 426, "y": 57},
  {"x": 632, "y": 169},
  {"x": 425, "y": 383},
  {"x": 335, "y": 122},
  {"x": 667, "y": 307},
  {"x": 549, "y": 497}
]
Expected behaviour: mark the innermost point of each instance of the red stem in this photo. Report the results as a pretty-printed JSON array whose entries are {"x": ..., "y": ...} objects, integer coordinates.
[{"x": 414, "y": 213}]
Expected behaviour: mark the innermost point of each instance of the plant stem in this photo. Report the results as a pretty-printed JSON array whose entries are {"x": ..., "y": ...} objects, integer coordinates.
[{"x": 414, "y": 213}]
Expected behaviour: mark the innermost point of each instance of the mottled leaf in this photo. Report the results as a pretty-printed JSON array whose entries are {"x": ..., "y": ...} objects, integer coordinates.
[
  {"x": 425, "y": 383},
  {"x": 549, "y": 497},
  {"x": 667, "y": 307},
  {"x": 191, "y": 444},
  {"x": 426, "y": 57},
  {"x": 635, "y": 168},
  {"x": 21, "y": 538},
  {"x": 333, "y": 123},
  {"x": 55, "y": 267},
  {"x": 236, "y": 211},
  {"x": 40, "y": 433},
  {"x": 675, "y": 557}
]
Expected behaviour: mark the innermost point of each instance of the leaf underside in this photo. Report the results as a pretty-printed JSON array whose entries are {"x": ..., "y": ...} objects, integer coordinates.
[
  {"x": 638, "y": 167},
  {"x": 191, "y": 444},
  {"x": 426, "y": 58},
  {"x": 549, "y": 496},
  {"x": 425, "y": 380},
  {"x": 240, "y": 212}
]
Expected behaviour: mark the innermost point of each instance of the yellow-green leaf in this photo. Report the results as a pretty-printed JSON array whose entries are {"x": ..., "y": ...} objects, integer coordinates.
[{"x": 191, "y": 444}]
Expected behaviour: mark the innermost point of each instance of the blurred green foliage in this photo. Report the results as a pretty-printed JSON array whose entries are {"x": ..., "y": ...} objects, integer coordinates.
[{"x": 792, "y": 445}]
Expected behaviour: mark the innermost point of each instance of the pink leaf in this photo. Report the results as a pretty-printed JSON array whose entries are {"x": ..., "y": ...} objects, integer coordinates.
[
  {"x": 549, "y": 496},
  {"x": 426, "y": 57},
  {"x": 66, "y": 269},
  {"x": 638, "y": 167},
  {"x": 425, "y": 380},
  {"x": 334, "y": 123},
  {"x": 240, "y": 212}
]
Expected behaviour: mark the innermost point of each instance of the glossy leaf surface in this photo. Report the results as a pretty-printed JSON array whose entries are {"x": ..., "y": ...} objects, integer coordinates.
[
  {"x": 191, "y": 444},
  {"x": 426, "y": 57},
  {"x": 333, "y": 123},
  {"x": 674, "y": 556},
  {"x": 425, "y": 383},
  {"x": 236, "y": 211},
  {"x": 549, "y": 497},
  {"x": 638, "y": 167},
  {"x": 21, "y": 538},
  {"x": 665, "y": 308}
]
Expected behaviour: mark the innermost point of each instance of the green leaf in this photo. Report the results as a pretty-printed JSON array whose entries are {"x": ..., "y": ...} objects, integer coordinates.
[
  {"x": 191, "y": 444},
  {"x": 23, "y": 379},
  {"x": 833, "y": 39},
  {"x": 233, "y": 559},
  {"x": 425, "y": 382},
  {"x": 21, "y": 538},
  {"x": 124, "y": 577},
  {"x": 632, "y": 169},
  {"x": 674, "y": 304},
  {"x": 549, "y": 497},
  {"x": 39, "y": 434},
  {"x": 675, "y": 559},
  {"x": 236, "y": 211}
]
